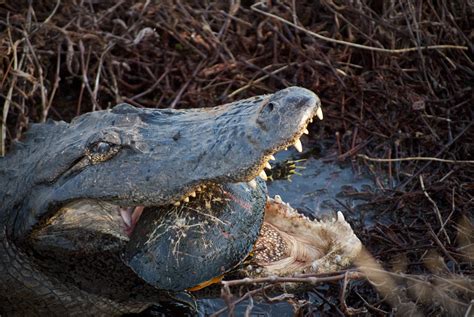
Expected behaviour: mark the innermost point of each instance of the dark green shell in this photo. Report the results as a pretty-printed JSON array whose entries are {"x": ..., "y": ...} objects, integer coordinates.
[{"x": 176, "y": 248}]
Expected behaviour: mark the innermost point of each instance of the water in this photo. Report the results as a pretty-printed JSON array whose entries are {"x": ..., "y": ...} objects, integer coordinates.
[
  {"x": 323, "y": 188},
  {"x": 262, "y": 309}
]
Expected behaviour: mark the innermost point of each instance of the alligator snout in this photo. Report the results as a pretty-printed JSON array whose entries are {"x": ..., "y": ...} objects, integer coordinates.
[{"x": 279, "y": 111}]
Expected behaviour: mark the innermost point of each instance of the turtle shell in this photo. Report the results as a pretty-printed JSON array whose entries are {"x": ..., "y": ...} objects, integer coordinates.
[{"x": 177, "y": 248}]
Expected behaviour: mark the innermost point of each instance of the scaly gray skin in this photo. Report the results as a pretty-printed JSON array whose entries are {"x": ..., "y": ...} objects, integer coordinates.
[{"x": 121, "y": 157}]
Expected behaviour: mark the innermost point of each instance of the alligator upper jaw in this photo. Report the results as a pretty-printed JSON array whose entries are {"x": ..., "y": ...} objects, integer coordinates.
[
  {"x": 181, "y": 152},
  {"x": 257, "y": 158},
  {"x": 241, "y": 153}
]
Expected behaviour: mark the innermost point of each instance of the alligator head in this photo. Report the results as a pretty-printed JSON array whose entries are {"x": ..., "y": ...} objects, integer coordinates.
[
  {"x": 150, "y": 157},
  {"x": 73, "y": 193}
]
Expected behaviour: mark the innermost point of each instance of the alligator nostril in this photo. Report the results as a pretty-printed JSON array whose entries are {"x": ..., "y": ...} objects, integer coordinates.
[
  {"x": 267, "y": 108},
  {"x": 264, "y": 116},
  {"x": 270, "y": 106}
]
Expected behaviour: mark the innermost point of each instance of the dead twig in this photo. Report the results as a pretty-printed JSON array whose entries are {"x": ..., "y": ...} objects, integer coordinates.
[
  {"x": 445, "y": 147},
  {"x": 227, "y": 295},
  {"x": 283, "y": 279},
  {"x": 415, "y": 158},
  {"x": 355, "y": 45},
  {"x": 435, "y": 208},
  {"x": 256, "y": 81},
  {"x": 346, "y": 309},
  {"x": 85, "y": 79}
]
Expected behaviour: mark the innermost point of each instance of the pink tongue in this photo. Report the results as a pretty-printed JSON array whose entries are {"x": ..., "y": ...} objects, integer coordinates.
[
  {"x": 130, "y": 217},
  {"x": 126, "y": 214}
]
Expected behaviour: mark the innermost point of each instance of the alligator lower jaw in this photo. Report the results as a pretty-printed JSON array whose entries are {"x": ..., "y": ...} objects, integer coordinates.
[{"x": 290, "y": 243}]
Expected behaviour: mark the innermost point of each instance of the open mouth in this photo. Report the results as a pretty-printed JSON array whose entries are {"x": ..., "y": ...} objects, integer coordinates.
[
  {"x": 213, "y": 227},
  {"x": 285, "y": 242}
]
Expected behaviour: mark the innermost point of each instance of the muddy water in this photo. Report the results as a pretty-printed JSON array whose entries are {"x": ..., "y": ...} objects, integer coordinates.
[{"x": 323, "y": 188}]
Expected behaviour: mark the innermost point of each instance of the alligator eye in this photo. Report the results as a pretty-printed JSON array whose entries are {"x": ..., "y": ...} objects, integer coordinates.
[
  {"x": 101, "y": 151},
  {"x": 101, "y": 147}
]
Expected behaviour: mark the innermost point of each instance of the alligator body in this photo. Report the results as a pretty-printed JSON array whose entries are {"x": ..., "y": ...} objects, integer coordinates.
[{"x": 127, "y": 207}]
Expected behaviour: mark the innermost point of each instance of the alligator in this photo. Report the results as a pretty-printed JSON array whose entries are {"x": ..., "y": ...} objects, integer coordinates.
[{"x": 124, "y": 208}]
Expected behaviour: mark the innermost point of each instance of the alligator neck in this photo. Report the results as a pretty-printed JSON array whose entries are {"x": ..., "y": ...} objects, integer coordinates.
[{"x": 25, "y": 289}]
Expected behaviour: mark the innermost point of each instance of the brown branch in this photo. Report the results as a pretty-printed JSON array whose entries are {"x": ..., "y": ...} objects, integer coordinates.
[
  {"x": 283, "y": 279},
  {"x": 360, "y": 46},
  {"x": 346, "y": 309},
  {"x": 415, "y": 158}
]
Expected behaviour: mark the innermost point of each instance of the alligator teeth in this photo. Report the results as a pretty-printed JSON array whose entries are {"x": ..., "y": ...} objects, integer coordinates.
[
  {"x": 305, "y": 131},
  {"x": 278, "y": 199},
  {"x": 267, "y": 165},
  {"x": 319, "y": 113},
  {"x": 263, "y": 175},
  {"x": 271, "y": 158},
  {"x": 311, "y": 120},
  {"x": 186, "y": 200},
  {"x": 177, "y": 203},
  {"x": 340, "y": 217},
  {"x": 298, "y": 146},
  {"x": 193, "y": 194},
  {"x": 253, "y": 184}
]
